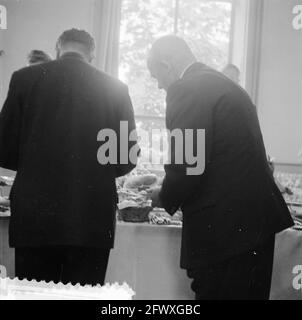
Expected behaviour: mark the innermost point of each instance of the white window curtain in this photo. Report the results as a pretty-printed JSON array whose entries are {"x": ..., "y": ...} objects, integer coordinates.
[
  {"x": 106, "y": 29},
  {"x": 246, "y": 42}
]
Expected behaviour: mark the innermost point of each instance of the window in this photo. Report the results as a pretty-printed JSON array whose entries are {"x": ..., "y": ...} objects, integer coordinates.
[{"x": 204, "y": 24}]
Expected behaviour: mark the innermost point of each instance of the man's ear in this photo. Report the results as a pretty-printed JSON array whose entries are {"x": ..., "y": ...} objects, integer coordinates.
[
  {"x": 58, "y": 53},
  {"x": 91, "y": 56},
  {"x": 165, "y": 65}
]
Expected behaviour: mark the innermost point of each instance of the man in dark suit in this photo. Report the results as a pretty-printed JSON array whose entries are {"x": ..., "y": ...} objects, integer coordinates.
[
  {"x": 63, "y": 200},
  {"x": 232, "y": 211}
]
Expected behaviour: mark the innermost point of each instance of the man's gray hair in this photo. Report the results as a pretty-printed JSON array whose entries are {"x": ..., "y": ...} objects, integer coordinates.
[{"x": 77, "y": 36}]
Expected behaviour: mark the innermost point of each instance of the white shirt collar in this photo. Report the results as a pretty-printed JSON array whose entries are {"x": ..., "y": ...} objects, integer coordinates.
[{"x": 186, "y": 68}]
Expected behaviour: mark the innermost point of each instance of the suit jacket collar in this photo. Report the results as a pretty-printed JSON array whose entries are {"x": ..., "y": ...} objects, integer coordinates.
[
  {"x": 192, "y": 68},
  {"x": 185, "y": 69},
  {"x": 196, "y": 66},
  {"x": 72, "y": 55}
]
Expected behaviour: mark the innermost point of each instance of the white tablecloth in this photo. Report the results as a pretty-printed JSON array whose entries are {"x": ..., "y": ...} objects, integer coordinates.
[{"x": 147, "y": 258}]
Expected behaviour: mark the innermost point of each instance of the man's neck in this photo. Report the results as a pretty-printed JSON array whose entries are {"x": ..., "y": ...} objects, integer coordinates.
[
  {"x": 74, "y": 51},
  {"x": 186, "y": 66}
]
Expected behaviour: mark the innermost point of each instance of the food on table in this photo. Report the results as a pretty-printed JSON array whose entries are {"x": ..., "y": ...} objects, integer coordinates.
[
  {"x": 161, "y": 217},
  {"x": 156, "y": 218},
  {"x": 295, "y": 197},
  {"x": 4, "y": 205},
  {"x": 141, "y": 181},
  {"x": 134, "y": 203},
  {"x": 290, "y": 185},
  {"x": 132, "y": 189},
  {"x": 134, "y": 214},
  {"x": 6, "y": 181},
  {"x": 134, "y": 199},
  {"x": 4, "y": 202},
  {"x": 3, "y": 209},
  {"x": 296, "y": 213},
  {"x": 140, "y": 198}
]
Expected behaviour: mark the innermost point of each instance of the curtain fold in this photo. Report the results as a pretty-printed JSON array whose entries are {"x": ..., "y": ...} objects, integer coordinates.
[{"x": 106, "y": 30}]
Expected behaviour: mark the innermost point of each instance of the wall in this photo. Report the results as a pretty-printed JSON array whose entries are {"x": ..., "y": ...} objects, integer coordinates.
[
  {"x": 2, "y": 32},
  {"x": 279, "y": 97}
]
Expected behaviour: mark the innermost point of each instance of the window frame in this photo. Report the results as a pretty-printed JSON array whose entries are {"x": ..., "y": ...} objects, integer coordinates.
[{"x": 142, "y": 117}]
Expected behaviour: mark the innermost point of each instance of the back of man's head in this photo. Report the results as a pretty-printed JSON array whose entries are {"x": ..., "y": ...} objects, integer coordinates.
[
  {"x": 75, "y": 40},
  {"x": 168, "y": 58},
  {"x": 37, "y": 57},
  {"x": 232, "y": 72},
  {"x": 170, "y": 47}
]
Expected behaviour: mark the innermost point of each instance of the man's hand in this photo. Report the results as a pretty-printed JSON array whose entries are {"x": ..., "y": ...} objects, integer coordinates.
[{"x": 154, "y": 196}]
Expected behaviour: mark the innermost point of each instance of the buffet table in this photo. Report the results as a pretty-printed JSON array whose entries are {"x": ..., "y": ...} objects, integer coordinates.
[
  {"x": 147, "y": 258},
  {"x": 7, "y": 255},
  {"x": 288, "y": 254}
]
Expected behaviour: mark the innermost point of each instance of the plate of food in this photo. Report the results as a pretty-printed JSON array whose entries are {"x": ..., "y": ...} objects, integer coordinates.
[
  {"x": 160, "y": 217},
  {"x": 6, "y": 181}
]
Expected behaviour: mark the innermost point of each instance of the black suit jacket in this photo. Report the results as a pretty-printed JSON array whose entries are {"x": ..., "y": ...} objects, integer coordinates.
[
  {"x": 234, "y": 205},
  {"x": 48, "y": 133}
]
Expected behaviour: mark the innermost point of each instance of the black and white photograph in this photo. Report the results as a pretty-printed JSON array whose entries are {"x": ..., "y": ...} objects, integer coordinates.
[{"x": 151, "y": 150}]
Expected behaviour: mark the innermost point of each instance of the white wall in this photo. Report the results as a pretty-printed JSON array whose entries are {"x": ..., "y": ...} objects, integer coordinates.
[
  {"x": 280, "y": 82},
  {"x": 2, "y": 32}
]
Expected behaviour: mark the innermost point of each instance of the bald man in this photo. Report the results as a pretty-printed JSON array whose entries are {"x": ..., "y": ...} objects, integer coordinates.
[{"x": 232, "y": 211}]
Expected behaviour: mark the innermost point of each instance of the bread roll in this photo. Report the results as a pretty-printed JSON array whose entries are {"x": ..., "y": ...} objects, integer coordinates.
[{"x": 135, "y": 182}]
